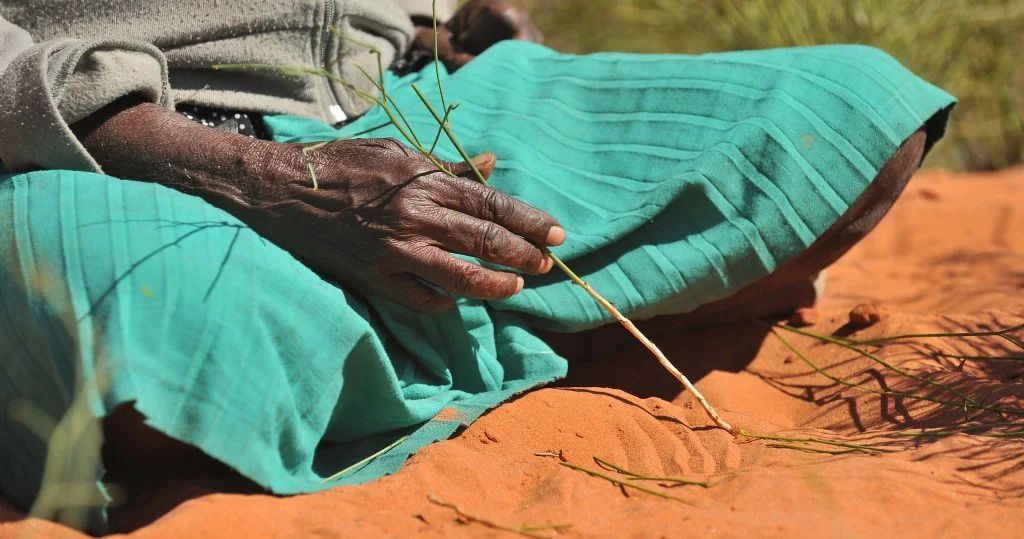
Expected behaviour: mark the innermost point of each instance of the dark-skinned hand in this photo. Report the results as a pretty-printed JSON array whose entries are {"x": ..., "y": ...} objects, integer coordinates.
[
  {"x": 384, "y": 220},
  {"x": 476, "y": 26}
]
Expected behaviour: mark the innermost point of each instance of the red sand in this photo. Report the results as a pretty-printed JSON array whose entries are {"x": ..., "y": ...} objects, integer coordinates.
[{"x": 949, "y": 257}]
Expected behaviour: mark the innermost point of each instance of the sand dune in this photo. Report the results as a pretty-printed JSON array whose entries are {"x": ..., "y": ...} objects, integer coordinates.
[{"x": 950, "y": 257}]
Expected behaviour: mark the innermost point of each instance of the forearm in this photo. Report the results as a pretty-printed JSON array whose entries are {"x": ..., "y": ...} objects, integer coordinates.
[
  {"x": 383, "y": 220},
  {"x": 137, "y": 140}
]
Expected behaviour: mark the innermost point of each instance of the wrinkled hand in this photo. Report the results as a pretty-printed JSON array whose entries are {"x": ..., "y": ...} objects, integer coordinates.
[
  {"x": 474, "y": 28},
  {"x": 384, "y": 220}
]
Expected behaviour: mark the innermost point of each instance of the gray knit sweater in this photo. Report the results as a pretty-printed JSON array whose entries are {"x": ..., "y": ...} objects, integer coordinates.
[{"x": 61, "y": 61}]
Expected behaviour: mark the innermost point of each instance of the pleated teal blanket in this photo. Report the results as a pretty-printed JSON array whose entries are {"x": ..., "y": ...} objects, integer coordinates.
[{"x": 679, "y": 179}]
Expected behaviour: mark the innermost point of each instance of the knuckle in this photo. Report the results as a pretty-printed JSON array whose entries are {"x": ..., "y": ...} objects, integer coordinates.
[
  {"x": 498, "y": 204},
  {"x": 538, "y": 226},
  {"x": 471, "y": 281},
  {"x": 529, "y": 257},
  {"x": 493, "y": 242},
  {"x": 535, "y": 224},
  {"x": 463, "y": 281}
]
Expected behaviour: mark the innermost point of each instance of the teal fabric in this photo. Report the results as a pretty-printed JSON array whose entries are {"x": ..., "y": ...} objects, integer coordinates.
[
  {"x": 679, "y": 179},
  {"x": 225, "y": 341}
]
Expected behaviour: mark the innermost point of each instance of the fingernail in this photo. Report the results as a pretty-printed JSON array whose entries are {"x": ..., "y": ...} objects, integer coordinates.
[
  {"x": 556, "y": 236},
  {"x": 520, "y": 283},
  {"x": 484, "y": 159},
  {"x": 546, "y": 264}
]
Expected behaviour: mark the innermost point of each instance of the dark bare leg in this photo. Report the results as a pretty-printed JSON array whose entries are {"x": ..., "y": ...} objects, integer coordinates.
[
  {"x": 131, "y": 446},
  {"x": 150, "y": 473}
]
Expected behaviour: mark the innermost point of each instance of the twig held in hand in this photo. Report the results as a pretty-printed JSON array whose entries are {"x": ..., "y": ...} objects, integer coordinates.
[{"x": 401, "y": 123}]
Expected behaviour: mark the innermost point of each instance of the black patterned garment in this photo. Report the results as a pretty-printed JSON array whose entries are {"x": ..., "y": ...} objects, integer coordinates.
[{"x": 242, "y": 123}]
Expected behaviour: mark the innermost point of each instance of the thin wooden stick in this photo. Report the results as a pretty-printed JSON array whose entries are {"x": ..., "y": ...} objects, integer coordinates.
[
  {"x": 653, "y": 348},
  {"x": 626, "y": 323},
  {"x": 408, "y": 133}
]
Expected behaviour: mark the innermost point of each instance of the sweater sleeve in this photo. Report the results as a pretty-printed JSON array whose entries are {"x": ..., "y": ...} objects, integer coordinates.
[
  {"x": 45, "y": 87},
  {"x": 422, "y": 8}
]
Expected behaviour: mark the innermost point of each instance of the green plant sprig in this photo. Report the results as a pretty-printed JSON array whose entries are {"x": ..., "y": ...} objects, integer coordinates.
[
  {"x": 375, "y": 51},
  {"x": 362, "y": 464},
  {"x": 444, "y": 125},
  {"x": 653, "y": 348},
  {"x": 1005, "y": 334},
  {"x": 807, "y": 444},
  {"x": 379, "y": 83},
  {"x": 973, "y": 430},
  {"x": 842, "y": 343},
  {"x": 623, "y": 483},
  {"x": 969, "y": 403},
  {"x": 525, "y": 530},
  {"x": 639, "y": 477},
  {"x": 811, "y": 449},
  {"x": 976, "y": 358},
  {"x": 850, "y": 447},
  {"x": 889, "y": 393},
  {"x": 444, "y": 122}
]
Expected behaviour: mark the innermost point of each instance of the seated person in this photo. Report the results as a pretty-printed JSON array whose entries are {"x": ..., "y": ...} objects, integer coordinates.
[{"x": 184, "y": 275}]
